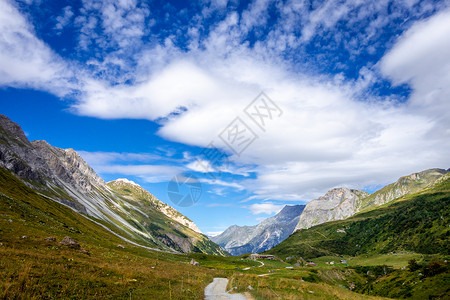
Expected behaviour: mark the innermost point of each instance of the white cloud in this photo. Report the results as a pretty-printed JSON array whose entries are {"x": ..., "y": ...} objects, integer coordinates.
[
  {"x": 101, "y": 158},
  {"x": 228, "y": 184},
  {"x": 131, "y": 164},
  {"x": 265, "y": 208},
  {"x": 213, "y": 233},
  {"x": 200, "y": 165},
  {"x": 65, "y": 18},
  {"x": 26, "y": 61},
  {"x": 421, "y": 58},
  {"x": 327, "y": 135}
]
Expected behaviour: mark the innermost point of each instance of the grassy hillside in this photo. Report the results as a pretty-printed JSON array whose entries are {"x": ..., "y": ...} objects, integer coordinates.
[
  {"x": 34, "y": 268},
  {"x": 381, "y": 245}
]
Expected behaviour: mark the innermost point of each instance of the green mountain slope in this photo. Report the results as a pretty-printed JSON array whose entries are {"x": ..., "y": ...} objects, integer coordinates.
[
  {"x": 405, "y": 185},
  {"x": 162, "y": 221},
  {"x": 418, "y": 222},
  {"x": 341, "y": 203}
]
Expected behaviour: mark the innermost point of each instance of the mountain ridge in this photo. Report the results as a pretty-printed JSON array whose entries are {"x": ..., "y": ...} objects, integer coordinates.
[
  {"x": 64, "y": 176},
  {"x": 342, "y": 203},
  {"x": 417, "y": 222}
]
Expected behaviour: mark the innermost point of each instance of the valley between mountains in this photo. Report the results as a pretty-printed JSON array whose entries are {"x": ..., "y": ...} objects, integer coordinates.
[{"x": 66, "y": 233}]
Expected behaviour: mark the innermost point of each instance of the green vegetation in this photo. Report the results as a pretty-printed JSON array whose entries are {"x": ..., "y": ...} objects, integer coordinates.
[
  {"x": 405, "y": 185},
  {"x": 399, "y": 249}
]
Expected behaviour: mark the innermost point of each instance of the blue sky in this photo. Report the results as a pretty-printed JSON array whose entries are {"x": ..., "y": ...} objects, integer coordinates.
[{"x": 357, "y": 94}]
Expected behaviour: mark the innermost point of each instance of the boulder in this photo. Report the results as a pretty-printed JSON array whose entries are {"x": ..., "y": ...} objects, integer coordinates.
[
  {"x": 194, "y": 263},
  {"x": 50, "y": 239},
  {"x": 70, "y": 242},
  {"x": 85, "y": 252}
]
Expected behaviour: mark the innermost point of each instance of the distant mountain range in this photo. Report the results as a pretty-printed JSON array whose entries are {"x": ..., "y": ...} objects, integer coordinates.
[
  {"x": 417, "y": 222},
  {"x": 270, "y": 232},
  {"x": 121, "y": 206}
]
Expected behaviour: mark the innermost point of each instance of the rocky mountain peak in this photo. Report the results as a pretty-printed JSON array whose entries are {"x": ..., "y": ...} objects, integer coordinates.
[
  {"x": 336, "y": 204},
  {"x": 404, "y": 185},
  {"x": 13, "y": 129}
]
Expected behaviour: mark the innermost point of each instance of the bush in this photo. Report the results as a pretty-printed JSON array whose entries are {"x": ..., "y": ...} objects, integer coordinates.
[
  {"x": 433, "y": 268},
  {"x": 413, "y": 265}
]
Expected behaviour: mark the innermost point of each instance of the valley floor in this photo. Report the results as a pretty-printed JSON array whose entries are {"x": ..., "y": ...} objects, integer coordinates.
[{"x": 34, "y": 266}]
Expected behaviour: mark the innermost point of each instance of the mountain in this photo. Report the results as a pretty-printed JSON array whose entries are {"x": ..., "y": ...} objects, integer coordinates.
[
  {"x": 336, "y": 204},
  {"x": 417, "y": 222},
  {"x": 143, "y": 198},
  {"x": 63, "y": 176},
  {"x": 238, "y": 240},
  {"x": 403, "y": 186},
  {"x": 341, "y": 203}
]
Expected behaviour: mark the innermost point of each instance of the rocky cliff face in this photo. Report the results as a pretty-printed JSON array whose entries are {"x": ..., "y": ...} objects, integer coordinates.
[
  {"x": 63, "y": 175},
  {"x": 336, "y": 204},
  {"x": 238, "y": 240}
]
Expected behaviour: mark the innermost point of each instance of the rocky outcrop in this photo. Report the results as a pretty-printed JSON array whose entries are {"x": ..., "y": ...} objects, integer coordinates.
[
  {"x": 238, "y": 240},
  {"x": 336, "y": 204}
]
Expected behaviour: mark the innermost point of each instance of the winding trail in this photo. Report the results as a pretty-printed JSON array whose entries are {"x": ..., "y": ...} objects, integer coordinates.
[{"x": 216, "y": 290}]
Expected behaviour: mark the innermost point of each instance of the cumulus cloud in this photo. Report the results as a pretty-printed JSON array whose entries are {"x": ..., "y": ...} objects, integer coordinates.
[
  {"x": 421, "y": 58},
  {"x": 333, "y": 132}
]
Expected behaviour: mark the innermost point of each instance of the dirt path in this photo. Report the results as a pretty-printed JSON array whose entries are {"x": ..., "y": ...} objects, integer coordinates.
[{"x": 216, "y": 290}]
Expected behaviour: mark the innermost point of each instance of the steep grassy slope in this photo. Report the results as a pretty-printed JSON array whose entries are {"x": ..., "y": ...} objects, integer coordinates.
[{"x": 418, "y": 222}]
